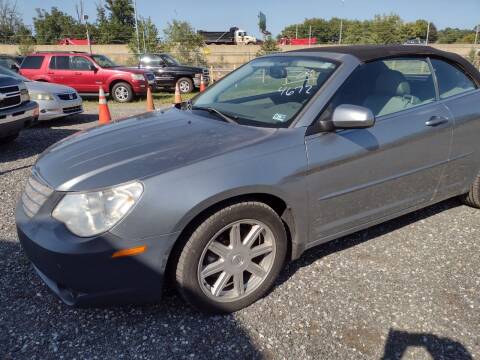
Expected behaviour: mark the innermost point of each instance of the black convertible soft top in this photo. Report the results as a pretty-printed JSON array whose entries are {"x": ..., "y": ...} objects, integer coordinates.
[{"x": 366, "y": 53}]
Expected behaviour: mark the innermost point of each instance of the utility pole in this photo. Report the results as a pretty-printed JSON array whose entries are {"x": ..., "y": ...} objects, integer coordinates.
[
  {"x": 341, "y": 23},
  {"x": 428, "y": 33},
  {"x": 136, "y": 25},
  {"x": 476, "y": 34},
  {"x": 85, "y": 18},
  {"x": 296, "y": 31},
  {"x": 310, "y": 36}
]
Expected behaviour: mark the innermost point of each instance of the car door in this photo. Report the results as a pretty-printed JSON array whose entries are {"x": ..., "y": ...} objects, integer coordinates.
[
  {"x": 84, "y": 76},
  {"x": 359, "y": 176},
  {"x": 460, "y": 94},
  {"x": 59, "y": 70}
]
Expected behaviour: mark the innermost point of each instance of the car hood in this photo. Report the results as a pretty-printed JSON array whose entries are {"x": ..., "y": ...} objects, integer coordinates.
[
  {"x": 140, "y": 147},
  {"x": 132, "y": 70},
  {"x": 39, "y": 86},
  {"x": 189, "y": 69}
]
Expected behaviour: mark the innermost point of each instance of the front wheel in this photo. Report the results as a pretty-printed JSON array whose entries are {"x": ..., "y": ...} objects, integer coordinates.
[
  {"x": 233, "y": 258},
  {"x": 185, "y": 85},
  {"x": 122, "y": 92}
]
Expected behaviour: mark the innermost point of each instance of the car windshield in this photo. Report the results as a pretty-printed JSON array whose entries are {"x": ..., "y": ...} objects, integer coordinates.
[
  {"x": 7, "y": 72},
  {"x": 269, "y": 91},
  {"x": 104, "y": 61},
  {"x": 170, "y": 60}
]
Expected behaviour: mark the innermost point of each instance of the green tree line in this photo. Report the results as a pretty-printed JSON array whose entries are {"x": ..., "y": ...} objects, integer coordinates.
[{"x": 382, "y": 29}]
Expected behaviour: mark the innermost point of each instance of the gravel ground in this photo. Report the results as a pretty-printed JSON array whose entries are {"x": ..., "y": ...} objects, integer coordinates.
[{"x": 406, "y": 289}]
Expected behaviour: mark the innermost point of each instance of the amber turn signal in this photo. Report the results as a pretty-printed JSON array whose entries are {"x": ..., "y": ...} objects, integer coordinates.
[{"x": 129, "y": 252}]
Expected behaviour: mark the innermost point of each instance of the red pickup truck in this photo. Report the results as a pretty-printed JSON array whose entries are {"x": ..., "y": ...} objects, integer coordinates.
[{"x": 86, "y": 73}]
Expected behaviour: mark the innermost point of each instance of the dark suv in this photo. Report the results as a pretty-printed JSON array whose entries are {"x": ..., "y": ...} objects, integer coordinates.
[
  {"x": 86, "y": 72},
  {"x": 168, "y": 72},
  {"x": 16, "y": 109}
]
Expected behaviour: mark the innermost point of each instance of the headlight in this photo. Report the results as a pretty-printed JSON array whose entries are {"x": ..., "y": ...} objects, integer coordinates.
[
  {"x": 24, "y": 96},
  {"x": 198, "y": 76},
  {"x": 92, "y": 213},
  {"x": 42, "y": 96},
  {"x": 138, "y": 77}
]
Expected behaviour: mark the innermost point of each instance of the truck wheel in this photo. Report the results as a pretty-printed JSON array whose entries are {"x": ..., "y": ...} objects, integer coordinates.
[
  {"x": 473, "y": 197},
  {"x": 185, "y": 85},
  {"x": 122, "y": 92},
  {"x": 8, "y": 139},
  {"x": 233, "y": 258}
]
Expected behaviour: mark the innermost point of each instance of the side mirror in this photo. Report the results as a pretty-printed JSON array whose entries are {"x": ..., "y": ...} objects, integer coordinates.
[
  {"x": 352, "y": 117},
  {"x": 15, "y": 67},
  {"x": 93, "y": 67}
]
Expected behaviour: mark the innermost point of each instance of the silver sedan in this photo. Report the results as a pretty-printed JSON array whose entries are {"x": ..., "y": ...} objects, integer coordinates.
[{"x": 54, "y": 100}]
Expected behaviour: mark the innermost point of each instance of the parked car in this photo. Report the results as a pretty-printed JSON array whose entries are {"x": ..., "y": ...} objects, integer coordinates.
[
  {"x": 86, "y": 72},
  {"x": 54, "y": 100},
  {"x": 169, "y": 72},
  {"x": 10, "y": 62},
  {"x": 287, "y": 152},
  {"x": 16, "y": 109}
]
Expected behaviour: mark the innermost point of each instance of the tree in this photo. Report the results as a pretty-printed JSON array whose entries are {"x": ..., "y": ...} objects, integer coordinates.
[
  {"x": 149, "y": 41},
  {"x": 269, "y": 46},
  {"x": 55, "y": 25},
  {"x": 181, "y": 38},
  {"x": 418, "y": 30},
  {"x": 12, "y": 28},
  {"x": 115, "y": 22}
]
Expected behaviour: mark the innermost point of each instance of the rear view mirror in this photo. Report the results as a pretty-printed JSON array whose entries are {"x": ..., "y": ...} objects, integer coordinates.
[
  {"x": 352, "y": 117},
  {"x": 277, "y": 72}
]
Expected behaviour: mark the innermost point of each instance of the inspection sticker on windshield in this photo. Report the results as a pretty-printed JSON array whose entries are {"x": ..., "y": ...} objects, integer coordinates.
[{"x": 279, "y": 117}]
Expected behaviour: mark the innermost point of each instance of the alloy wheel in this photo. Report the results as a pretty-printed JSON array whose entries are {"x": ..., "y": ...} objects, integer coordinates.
[{"x": 236, "y": 260}]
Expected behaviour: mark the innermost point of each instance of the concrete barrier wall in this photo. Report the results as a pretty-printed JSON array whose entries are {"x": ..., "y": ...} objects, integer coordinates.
[{"x": 218, "y": 56}]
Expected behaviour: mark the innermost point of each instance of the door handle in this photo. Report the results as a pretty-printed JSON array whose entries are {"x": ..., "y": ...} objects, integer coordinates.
[
  {"x": 436, "y": 120},
  {"x": 78, "y": 73}
]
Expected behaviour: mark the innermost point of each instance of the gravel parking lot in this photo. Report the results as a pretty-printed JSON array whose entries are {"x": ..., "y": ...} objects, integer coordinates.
[{"x": 408, "y": 289}]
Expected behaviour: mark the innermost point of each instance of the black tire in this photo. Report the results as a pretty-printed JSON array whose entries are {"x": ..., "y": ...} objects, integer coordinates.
[
  {"x": 473, "y": 197},
  {"x": 122, "y": 92},
  {"x": 185, "y": 85},
  {"x": 187, "y": 271},
  {"x": 8, "y": 139}
]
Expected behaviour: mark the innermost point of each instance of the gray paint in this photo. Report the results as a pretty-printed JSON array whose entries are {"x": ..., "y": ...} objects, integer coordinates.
[{"x": 334, "y": 183}]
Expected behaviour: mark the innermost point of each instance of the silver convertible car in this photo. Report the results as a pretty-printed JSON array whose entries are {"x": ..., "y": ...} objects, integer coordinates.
[{"x": 287, "y": 152}]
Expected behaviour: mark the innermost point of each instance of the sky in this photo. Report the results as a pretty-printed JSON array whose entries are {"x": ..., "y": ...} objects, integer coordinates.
[{"x": 220, "y": 15}]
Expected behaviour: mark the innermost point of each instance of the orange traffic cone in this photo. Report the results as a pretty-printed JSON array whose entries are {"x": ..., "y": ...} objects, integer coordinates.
[
  {"x": 150, "y": 104},
  {"x": 104, "y": 116},
  {"x": 202, "y": 84},
  {"x": 178, "y": 96}
]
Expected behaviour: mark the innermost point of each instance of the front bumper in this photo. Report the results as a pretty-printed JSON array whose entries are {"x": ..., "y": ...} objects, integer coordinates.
[
  {"x": 15, "y": 119},
  {"x": 52, "y": 109},
  {"x": 81, "y": 271}
]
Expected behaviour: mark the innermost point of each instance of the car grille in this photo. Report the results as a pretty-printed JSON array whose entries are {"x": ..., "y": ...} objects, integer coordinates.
[
  {"x": 69, "y": 96},
  {"x": 72, "y": 109},
  {"x": 9, "y": 89},
  {"x": 34, "y": 196},
  {"x": 150, "y": 76},
  {"x": 10, "y": 96}
]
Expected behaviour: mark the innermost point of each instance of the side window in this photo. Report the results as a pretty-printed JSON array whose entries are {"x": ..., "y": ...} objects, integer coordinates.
[
  {"x": 79, "y": 63},
  {"x": 386, "y": 87},
  {"x": 32, "y": 62},
  {"x": 451, "y": 80},
  {"x": 60, "y": 63}
]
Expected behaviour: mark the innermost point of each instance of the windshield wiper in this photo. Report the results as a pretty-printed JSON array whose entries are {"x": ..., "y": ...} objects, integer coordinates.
[{"x": 218, "y": 113}]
